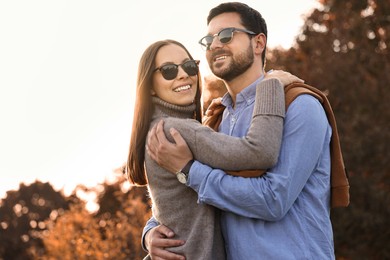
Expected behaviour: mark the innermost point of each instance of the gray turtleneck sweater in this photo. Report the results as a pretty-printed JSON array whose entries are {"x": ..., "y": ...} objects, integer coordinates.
[{"x": 174, "y": 204}]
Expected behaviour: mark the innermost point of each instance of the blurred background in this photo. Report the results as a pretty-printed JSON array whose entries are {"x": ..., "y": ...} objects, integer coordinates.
[
  {"x": 67, "y": 76},
  {"x": 342, "y": 47}
]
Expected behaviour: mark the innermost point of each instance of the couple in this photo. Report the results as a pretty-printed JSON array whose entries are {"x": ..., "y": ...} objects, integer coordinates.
[{"x": 201, "y": 211}]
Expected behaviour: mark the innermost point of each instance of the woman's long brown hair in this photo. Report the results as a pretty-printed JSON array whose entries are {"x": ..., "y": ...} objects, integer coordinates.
[{"x": 143, "y": 111}]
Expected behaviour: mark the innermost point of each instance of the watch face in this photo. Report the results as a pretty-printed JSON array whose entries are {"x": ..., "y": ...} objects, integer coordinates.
[{"x": 181, "y": 177}]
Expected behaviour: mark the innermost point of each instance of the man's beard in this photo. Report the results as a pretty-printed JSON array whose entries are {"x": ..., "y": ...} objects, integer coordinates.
[{"x": 238, "y": 65}]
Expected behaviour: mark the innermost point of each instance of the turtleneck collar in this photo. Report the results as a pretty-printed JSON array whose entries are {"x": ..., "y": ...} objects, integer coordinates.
[{"x": 164, "y": 109}]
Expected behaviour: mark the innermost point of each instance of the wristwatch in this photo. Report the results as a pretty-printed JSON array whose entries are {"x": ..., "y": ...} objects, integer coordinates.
[{"x": 182, "y": 175}]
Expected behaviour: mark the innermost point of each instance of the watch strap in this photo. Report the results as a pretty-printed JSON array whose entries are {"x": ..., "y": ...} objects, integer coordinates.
[{"x": 187, "y": 167}]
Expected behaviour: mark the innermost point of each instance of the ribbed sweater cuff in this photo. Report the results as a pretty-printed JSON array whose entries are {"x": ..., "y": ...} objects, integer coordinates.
[{"x": 270, "y": 98}]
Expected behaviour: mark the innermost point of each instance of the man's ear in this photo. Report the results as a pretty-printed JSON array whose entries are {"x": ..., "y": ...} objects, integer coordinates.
[{"x": 261, "y": 41}]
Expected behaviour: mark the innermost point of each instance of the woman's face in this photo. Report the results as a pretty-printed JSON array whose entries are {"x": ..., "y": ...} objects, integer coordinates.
[{"x": 180, "y": 90}]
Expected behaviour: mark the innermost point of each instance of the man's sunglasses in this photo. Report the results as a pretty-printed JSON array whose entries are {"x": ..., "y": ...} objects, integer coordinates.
[
  {"x": 224, "y": 36},
  {"x": 169, "y": 71}
]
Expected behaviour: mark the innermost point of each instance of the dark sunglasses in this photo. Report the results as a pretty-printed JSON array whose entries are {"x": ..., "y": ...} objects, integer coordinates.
[
  {"x": 169, "y": 71},
  {"x": 224, "y": 36}
]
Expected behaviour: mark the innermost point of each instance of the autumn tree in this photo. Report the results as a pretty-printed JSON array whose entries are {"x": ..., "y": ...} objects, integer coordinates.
[
  {"x": 344, "y": 49},
  {"x": 22, "y": 217},
  {"x": 113, "y": 232}
]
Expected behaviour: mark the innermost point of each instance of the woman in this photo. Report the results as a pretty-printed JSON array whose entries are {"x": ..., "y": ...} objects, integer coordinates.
[{"x": 168, "y": 87}]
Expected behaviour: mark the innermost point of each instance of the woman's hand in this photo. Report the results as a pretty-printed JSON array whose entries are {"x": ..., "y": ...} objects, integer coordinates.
[
  {"x": 285, "y": 77},
  {"x": 215, "y": 103}
]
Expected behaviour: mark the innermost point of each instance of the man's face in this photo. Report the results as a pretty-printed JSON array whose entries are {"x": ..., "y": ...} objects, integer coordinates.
[{"x": 227, "y": 61}]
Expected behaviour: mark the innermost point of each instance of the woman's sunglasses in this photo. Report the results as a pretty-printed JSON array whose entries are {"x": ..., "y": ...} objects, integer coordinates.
[
  {"x": 169, "y": 71},
  {"x": 224, "y": 36}
]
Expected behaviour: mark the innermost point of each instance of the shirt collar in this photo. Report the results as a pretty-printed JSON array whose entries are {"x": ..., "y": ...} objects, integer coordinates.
[{"x": 246, "y": 96}]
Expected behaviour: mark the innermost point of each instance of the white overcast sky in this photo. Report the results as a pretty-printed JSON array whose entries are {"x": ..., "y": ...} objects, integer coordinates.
[{"x": 67, "y": 75}]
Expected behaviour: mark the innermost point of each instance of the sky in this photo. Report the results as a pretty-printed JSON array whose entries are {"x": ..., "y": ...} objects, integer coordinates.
[{"x": 68, "y": 73}]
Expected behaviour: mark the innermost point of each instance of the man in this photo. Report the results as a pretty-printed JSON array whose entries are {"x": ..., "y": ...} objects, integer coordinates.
[{"x": 285, "y": 213}]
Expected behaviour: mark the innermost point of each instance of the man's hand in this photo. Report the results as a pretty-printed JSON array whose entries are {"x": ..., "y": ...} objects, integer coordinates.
[
  {"x": 159, "y": 238},
  {"x": 171, "y": 156}
]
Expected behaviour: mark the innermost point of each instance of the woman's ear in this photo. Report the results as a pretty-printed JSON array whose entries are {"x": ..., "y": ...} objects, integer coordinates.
[{"x": 152, "y": 92}]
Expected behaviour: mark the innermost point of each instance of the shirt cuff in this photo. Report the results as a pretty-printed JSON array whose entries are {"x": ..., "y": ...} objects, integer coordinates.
[
  {"x": 149, "y": 225},
  {"x": 143, "y": 240},
  {"x": 198, "y": 173}
]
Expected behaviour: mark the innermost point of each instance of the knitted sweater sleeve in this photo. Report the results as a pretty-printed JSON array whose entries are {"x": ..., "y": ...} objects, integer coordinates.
[{"x": 259, "y": 149}]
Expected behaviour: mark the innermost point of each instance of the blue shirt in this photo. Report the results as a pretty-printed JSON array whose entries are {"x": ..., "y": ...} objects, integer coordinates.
[{"x": 286, "y": 213}]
